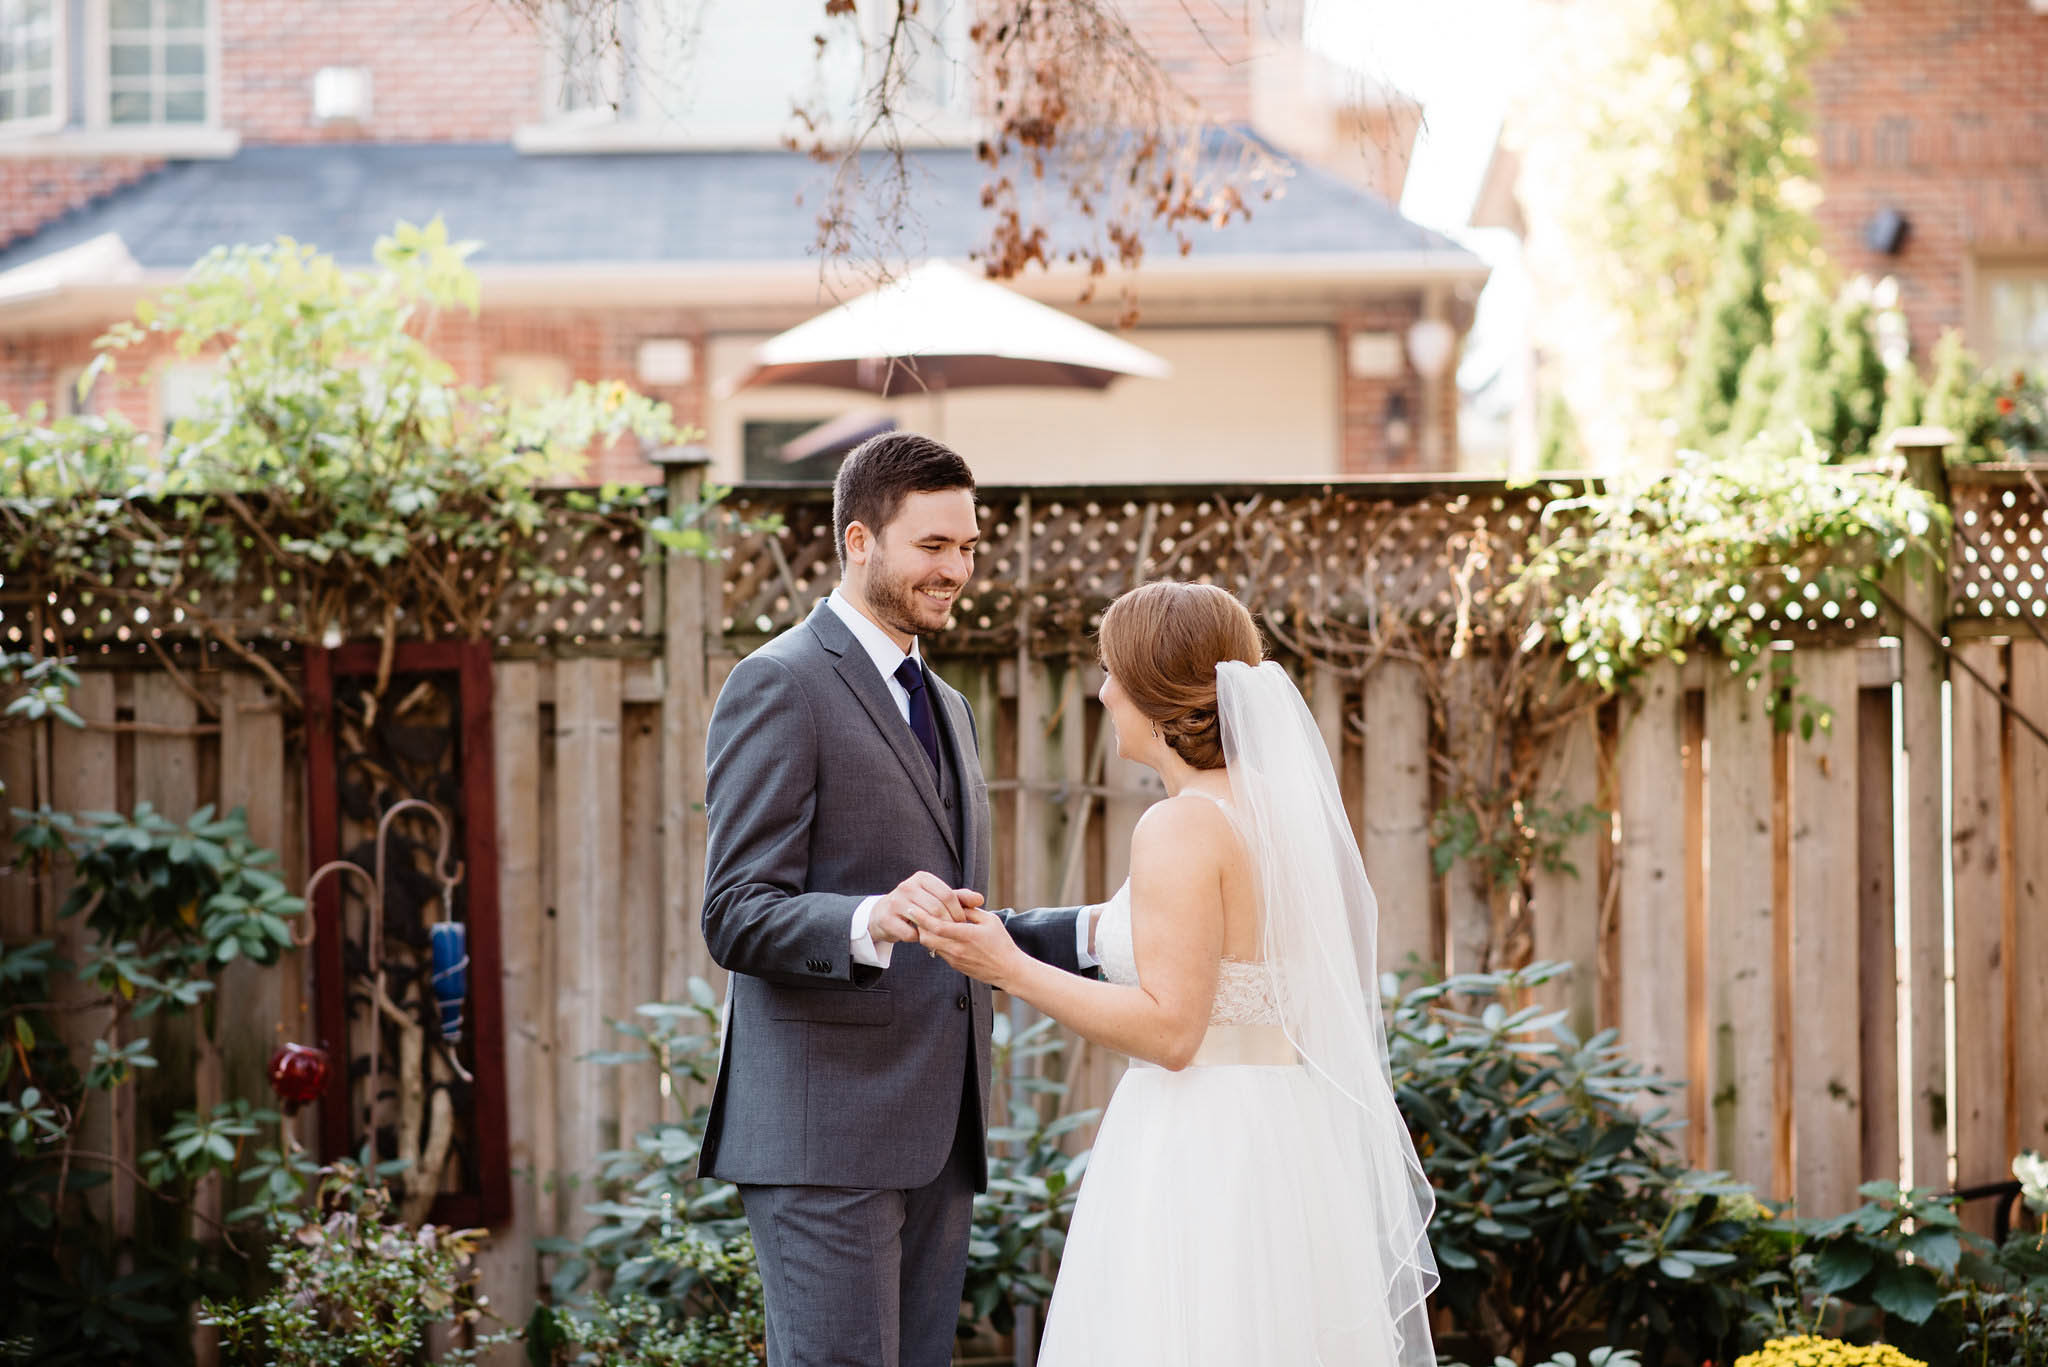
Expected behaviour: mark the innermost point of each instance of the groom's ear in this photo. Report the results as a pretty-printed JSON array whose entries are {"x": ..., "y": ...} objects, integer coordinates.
[{"x": 859, "y": 542}]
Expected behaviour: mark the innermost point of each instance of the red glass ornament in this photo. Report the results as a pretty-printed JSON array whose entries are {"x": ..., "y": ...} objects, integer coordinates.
[{"x": 298, "y": 1074}]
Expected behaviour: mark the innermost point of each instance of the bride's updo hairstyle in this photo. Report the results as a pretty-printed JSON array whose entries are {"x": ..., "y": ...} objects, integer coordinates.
[{"x": 1162, "y": 643}]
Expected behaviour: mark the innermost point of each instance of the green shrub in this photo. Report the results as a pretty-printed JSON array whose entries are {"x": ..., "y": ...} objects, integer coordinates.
[
  {"x": 1901, "y": 1267},
  {"x": 353, "y": 1284},
  {"x": 1561, "y": 1204},
  {"x": 642, "y": 1264}
]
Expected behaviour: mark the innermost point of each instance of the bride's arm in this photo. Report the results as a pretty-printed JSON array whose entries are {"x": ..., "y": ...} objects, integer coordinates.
[{"x": 1177, "y": 926}]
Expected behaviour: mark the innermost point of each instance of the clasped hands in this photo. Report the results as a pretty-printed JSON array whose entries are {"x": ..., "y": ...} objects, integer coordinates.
[{"x": 950, "y": 922}]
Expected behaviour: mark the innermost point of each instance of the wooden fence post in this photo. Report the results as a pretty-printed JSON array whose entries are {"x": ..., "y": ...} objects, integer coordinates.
[
  {"x": 685, "y": 714},
  {"x": 1922, "y": 669}
]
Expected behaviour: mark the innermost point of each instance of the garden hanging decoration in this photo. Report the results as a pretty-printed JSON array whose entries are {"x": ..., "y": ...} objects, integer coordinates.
[{"x": 425, "y": 1125}]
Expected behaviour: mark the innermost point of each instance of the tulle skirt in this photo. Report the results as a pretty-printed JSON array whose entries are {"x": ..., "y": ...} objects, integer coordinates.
[{"x": 1220, "y": 1224}]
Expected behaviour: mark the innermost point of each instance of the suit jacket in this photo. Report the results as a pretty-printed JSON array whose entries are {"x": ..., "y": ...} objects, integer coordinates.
[{"x": 835, "y": 1073}]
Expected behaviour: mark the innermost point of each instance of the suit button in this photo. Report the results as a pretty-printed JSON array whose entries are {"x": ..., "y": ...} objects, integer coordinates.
[
  {"x": 948, "y": 801},
  {"x": 961, "y": 1001}
]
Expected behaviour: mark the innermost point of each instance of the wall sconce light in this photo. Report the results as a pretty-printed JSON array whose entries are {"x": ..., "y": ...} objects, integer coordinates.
[
  {"x": 1397, "y": 426},
  {"x": 1885, "y": 231},
  {"x": 341, "y": 94},
  {"x": 665, "y": 361},
  {"x": 1430, "y": 343}
]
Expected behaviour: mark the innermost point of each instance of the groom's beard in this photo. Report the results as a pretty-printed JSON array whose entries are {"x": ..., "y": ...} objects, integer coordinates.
[{"x": 900, "y": 605}]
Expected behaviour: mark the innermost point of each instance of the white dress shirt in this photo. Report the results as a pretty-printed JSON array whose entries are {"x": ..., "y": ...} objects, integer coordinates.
[{"x": 888, "y": 658}]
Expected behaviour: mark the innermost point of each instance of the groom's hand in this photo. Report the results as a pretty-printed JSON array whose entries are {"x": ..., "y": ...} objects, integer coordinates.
[{"x": 922, "y": 896}]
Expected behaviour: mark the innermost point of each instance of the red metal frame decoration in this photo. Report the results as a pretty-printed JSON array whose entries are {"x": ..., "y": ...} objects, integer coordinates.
[{"x": 470, "y": 661}]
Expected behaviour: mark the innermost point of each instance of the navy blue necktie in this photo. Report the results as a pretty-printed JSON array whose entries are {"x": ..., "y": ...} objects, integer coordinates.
[{"x": 912, "y": 679}]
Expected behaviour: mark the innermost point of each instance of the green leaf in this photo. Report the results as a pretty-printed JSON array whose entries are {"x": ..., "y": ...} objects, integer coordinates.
[
  {"x": 1840, "y": 1266},
  {"x": 1908, "y": 1292}
]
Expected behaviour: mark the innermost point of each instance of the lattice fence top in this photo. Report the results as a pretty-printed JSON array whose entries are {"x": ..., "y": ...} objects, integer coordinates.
[
  {"x": 1999, "y": 568},
  {"x": 1313, "y": 558}
]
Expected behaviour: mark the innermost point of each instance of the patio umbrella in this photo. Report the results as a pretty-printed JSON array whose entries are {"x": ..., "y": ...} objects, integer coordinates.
[{"x": 939, "y": 328}]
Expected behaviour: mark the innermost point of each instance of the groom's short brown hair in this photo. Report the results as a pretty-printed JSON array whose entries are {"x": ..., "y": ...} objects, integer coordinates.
[{"x": 881, "y": 472}]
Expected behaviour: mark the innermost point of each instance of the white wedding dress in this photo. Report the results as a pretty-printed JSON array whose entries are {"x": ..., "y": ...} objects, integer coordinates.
[{"x": 1250, "y": 1210}]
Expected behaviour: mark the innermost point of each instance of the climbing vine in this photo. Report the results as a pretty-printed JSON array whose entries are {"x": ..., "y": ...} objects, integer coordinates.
[{"x": 337, "y": 475}]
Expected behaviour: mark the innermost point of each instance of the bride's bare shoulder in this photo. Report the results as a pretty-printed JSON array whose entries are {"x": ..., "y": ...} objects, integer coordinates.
[{"x": 1188, "y": 830}]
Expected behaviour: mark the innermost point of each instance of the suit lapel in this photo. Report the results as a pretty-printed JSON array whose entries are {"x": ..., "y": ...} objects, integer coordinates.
[
  {"x": 953, "y": 732},
  {"x": 867, "y": 684}
]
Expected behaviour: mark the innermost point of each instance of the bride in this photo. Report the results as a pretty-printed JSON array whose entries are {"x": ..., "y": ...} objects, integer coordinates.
[{"x": 1253, "y": 1197}]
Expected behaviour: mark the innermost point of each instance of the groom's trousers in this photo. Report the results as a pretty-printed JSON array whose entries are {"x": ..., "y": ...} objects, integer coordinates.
[{"x": 865, "y": 1278}]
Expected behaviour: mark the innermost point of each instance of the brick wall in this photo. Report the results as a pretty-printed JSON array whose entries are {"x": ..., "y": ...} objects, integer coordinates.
[
  {"x": 1938, "y": 108},
  {"x": 1369, "y": 446},
  {"x": 1205, "y": 46},
  {"x": 439, "y": 72}
]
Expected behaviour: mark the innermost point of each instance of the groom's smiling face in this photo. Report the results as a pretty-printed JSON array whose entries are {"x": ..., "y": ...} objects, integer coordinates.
[{"x": 911, "y": 570}]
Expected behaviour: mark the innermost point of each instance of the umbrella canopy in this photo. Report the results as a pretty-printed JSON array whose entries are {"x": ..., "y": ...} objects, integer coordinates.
[{"x": 940, "y": 328}]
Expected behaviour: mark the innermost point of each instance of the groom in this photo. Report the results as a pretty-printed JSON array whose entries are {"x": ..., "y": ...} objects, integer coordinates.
[{"x": 846, "y": 801}]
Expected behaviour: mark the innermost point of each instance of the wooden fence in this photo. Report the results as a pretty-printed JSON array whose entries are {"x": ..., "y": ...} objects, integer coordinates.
[{"x": 1842, "y": 942}]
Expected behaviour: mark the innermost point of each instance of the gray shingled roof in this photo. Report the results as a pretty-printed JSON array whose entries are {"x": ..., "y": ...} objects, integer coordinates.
[{"x": 628, "y": 207}]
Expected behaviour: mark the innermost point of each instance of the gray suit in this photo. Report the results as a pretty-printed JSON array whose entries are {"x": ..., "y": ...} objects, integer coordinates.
[{"x": 851, "y": 1101}]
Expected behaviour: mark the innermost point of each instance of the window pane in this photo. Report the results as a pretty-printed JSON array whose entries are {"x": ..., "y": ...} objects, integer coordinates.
[
  {"x": 128, "y": 59},
  {"x": 36, "y": 55},
  {"x": 129, "y": 106},
  {"x": 185, "y": 14},
  {"x": 130, "y": 14},
  {"x": 6, "y": 103},
  {"x": 38, "y": 101},
  {"x": 738, "y": 66},
  {"x": 185, "y": 106},
  {"x": 185, "y": 59},
  {"x": 2019, "y": 318}
]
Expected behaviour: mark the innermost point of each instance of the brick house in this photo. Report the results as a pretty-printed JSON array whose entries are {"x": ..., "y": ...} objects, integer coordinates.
[
  {"x": 641, "y": 220},
  {"x": 1931, "y": 125}
]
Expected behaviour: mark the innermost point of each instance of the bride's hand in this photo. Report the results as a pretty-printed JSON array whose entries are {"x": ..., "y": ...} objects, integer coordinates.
[{"x": 979, "y": 946}]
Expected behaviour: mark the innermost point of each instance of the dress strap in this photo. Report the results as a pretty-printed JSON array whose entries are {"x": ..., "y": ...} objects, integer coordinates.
[{"x": 1229, "y": 812}]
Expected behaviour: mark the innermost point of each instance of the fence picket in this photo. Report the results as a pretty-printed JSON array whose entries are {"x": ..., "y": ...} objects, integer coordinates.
[
  {"x": 1651, "y": 959},
  {"x": 1564, "y": 905},
  {"x": 587, "y": 896},
  {"x": 83, "y": 765},
  {"x": 1826, "y": 1043},
  {"x": 507, "y": 1267},
  {"x": 1741, "y": 1000},
  {"x": 1396, "y": 847},
  {"x": 1877, "y": 955},
  {"x": 2029, "y": 799}
]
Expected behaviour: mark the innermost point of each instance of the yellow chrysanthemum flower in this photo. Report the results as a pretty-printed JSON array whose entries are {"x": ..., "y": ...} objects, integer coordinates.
[{"x": 1808, "y": 1351}]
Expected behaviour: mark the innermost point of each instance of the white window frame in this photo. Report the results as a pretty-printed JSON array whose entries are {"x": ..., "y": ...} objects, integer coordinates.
[
  {"x": 100, "y": 80},
  {"x": 610, "y": 76},
  {"x": 1987, "y": 268},
  {"x": 22, "y": 125},
  {"x": 180, "y": 385},
  {"x": 65, "y": 403},
  {"x": 627, "y": 127}
]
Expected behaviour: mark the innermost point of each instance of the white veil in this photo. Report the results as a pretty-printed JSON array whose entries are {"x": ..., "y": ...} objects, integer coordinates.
[{"x": 1321, "y": 928}]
